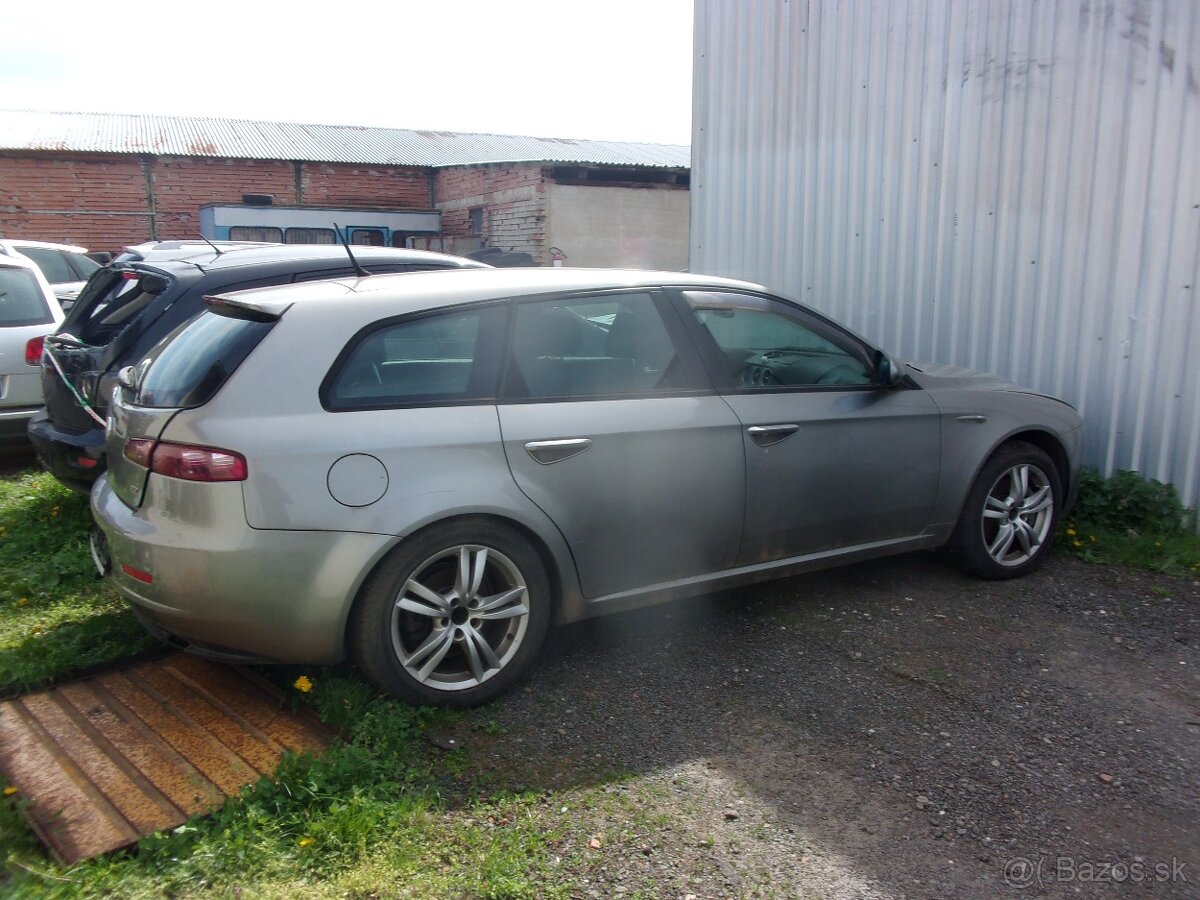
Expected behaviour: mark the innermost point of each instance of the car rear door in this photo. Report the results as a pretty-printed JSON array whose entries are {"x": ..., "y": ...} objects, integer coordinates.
[
  {"x": 833, "y": 460},
  {"x": 611, "y": 428}
]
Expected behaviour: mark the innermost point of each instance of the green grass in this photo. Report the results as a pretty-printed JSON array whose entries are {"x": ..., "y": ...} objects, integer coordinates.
[{"x": 57, "y": 617}]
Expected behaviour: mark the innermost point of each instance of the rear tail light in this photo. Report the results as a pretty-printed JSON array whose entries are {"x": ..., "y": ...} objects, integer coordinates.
[
  {"x": 186, "y": 461},
  {"x": 33, "y": 351}
]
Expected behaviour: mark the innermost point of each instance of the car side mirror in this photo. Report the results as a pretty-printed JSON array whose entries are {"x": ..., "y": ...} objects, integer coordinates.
[
  {"x": 888, "y": 372},
  {"x": 127, "y": 378}
]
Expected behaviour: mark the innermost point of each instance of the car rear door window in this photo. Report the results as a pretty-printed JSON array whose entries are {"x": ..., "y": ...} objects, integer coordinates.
[
  {"x": 444, "y": 358},
  {"x": 611, "y": 345}
]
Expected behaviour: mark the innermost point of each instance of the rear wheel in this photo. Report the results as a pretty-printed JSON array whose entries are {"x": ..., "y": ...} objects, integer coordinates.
[
  {"x": 1008, "y": 521},
  {"x": 454, "y": 617}
]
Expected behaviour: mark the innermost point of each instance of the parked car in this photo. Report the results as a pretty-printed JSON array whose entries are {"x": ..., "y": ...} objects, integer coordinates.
[
  {"x": 65, "y": 266},
  {"x": 423, "y": 472},
  {"x": 135, "y": 302},
  {"x": 28, "y": 312}
]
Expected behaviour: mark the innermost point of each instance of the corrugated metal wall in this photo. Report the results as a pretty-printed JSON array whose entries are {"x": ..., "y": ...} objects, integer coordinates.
[{"x": 1012, "y": 186}]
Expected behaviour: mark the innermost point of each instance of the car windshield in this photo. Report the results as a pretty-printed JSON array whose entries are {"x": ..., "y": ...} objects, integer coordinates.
[{"x": 21, "y": 300}]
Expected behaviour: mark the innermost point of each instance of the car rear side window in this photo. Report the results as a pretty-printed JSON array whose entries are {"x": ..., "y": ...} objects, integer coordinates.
[
  {"x": 189, "y": 366},
  {"x": 444, "y": 358},
  {"x": 608, "y": 346},
  {"x": 21, "y": 300}
]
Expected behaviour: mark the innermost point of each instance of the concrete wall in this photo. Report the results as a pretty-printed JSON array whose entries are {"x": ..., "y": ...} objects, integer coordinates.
[
  {"x": 631, "y": 227},
  {"x": 106, "y": 201}
]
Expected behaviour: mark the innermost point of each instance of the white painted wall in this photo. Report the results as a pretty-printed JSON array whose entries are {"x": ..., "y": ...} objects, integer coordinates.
[{"x": 610, "y": 226}]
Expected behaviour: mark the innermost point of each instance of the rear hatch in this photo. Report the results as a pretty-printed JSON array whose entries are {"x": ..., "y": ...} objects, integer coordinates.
[
  {"x": 96, "y": 333},
  {"x": 184, "y": 371}
]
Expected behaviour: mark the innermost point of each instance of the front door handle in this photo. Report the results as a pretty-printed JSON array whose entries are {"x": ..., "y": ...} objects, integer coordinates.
[
  {"x": 548, "y": 452},
  {"x": 767, "y": 435}
]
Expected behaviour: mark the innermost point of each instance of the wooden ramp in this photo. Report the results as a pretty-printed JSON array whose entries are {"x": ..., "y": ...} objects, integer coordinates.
[{"x": 104, "y": 761}]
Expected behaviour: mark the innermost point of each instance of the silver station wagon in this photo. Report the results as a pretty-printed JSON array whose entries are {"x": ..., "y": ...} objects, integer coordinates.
[{"x": 423, "y": 471}]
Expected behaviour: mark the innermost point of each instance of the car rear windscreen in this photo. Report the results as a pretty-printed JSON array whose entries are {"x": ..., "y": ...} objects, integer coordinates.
[
  {"x": 189, "y": 366},
  {"x": 111, "y": 301},
  {"x": 21, "y": 300}
]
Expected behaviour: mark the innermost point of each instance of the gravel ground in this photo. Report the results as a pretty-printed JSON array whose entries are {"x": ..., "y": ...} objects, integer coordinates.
[{"x": 892, "y": 729}]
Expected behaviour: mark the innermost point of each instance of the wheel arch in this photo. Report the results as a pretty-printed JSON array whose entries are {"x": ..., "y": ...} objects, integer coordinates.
[{"x": 1044, "y": 440}]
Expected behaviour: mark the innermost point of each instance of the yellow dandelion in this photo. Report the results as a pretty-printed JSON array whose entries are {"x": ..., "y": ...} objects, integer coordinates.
[
  {"x": 1077, "y": 543},
  {"x": 24, "y": 601},
  {"x": 302, "y": 684},
  {"x": 305, "y": 842},
  {"x": 1071, "y": 532},
  {"x": 54, "y": 510},
  {"x": 9, "y": 791}
]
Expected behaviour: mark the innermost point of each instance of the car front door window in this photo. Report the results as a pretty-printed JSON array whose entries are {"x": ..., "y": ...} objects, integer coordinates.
[{"x": 766, "y": 346}]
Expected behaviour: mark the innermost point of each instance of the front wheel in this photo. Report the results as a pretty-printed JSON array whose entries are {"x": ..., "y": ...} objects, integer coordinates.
[
  {"x": 1008, "y": 521},
  {"x": 454, "y": 617}
]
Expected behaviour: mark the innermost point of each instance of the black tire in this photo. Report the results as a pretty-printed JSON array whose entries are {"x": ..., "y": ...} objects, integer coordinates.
[
  {"x": 394, "y": 646},
  {"x": 1010, "y": 535}
]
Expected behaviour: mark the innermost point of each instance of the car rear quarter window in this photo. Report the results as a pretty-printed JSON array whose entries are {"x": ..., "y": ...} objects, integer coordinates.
[
  {"x": 444, "y": 358},
  {"x": 21, "y": 299},
  {"x": 189, "y": 366}
]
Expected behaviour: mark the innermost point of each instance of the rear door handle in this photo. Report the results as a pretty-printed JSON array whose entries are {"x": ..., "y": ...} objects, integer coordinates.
[
  {"x": 766, "y": 435},
  {"x": 548, "y": 452}
]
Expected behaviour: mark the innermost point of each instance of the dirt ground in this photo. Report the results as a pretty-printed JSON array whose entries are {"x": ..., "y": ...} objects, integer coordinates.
[{"x": 892, "y": 729}]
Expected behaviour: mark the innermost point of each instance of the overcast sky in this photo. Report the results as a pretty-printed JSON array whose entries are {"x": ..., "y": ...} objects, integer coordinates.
[{"x": 617, "y": 70}]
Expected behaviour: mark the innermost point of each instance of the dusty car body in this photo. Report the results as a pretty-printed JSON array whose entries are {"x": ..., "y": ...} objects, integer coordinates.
[{"x": 424, "y": 471}]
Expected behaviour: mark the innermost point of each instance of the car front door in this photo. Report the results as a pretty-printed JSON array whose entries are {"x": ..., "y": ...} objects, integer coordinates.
[
  {"x": 618, "y": 436},
  {"x": 834, "y": 460}
]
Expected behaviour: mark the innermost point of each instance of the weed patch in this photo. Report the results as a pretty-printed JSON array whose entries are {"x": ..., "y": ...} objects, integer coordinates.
[{"x": 1132, "y": 521}]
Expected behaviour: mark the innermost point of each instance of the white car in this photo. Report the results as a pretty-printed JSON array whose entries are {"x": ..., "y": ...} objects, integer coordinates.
[
  {"x": 65, "y": 266},
  {"x": 28, "y": 312}
]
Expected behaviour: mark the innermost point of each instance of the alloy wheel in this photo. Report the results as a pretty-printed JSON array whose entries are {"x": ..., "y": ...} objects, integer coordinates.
[
  {"x": 460, "y": 617},
  {"x": 1017, "y": 514}
]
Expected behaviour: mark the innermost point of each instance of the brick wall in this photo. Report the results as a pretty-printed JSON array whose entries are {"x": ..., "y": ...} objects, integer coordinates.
[
  {"x": 514, "y": 199},
  {"x": 96, "y": 201},
  {"x": 102, "y": 202},
  {"x": 183, "y": 184},
  {"x": 388, "y": 187}
]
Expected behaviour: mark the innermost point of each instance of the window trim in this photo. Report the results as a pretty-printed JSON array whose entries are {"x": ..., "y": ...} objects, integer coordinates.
[
  {"x": 693, "y": 367},
  {"x": 485, "y": 368},
  {"x": 713, "y": 356}
]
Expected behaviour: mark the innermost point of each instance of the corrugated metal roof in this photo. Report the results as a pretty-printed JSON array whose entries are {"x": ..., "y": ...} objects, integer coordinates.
[
  {"x": 247, "y": 139},
  {"x": 1007, "y": 186}
]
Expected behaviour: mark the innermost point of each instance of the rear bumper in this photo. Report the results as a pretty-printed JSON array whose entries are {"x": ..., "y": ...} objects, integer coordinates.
[
  {"x": 76, "y": 460},
  {"x": 222, "y": 589}
]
